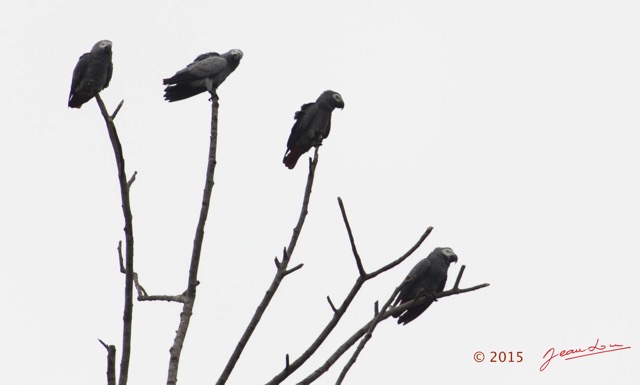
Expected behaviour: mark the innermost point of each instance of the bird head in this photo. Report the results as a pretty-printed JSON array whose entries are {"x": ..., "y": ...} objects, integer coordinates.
[
  {"x": 102, "y": 45},
  {"x": 236, "y": 54},
  {"x": 334, "y": 99},
  {"x": 449, "y": 254}
]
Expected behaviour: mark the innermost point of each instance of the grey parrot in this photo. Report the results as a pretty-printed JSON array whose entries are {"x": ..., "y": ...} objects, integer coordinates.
[
  {"x": 313, "y": 123},
  {"x": 427, "y": 277},
  {"x": 206, "y": 73},
  {"x": 92, "y": 74}
]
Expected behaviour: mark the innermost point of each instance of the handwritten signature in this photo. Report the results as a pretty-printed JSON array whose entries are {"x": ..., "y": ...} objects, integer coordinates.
[{"x": 570, "y": 354}]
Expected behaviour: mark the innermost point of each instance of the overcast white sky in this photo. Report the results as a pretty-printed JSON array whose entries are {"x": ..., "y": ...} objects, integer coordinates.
[{"x": 511, "y": 127}]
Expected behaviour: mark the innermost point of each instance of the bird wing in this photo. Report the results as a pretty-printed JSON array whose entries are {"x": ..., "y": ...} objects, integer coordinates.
[
  {"x": 109, "y": 73},
  {"x": 204, "y": 56},
  {"x": 201, "y": 69},
  {"x": 78, "y": 71},
  {"x": 419, "y": 270},
  {"x": 302, "y": 118},
  {"x": 326, "y": 133}
]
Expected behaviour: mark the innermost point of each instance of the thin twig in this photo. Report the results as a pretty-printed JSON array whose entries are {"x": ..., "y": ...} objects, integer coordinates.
[
  {"x": 459, "y": 277},
  {"x": 143, "y": 296},
  {"x": 338, "y": 313},
  {"x": 120, "y": 258},
  {"x": 115, "y": 112},
  {"x": 165, "y": 298},
  {"x": 350, "y": 233},
  {"x": 133, "y": 179},
  {"x": 374, "y": 322},
  {"x": 405, "y": 256},
  {"x": 111, "y": 363},
  {"x": 190, "y": 294},
  {"x": 383, "y": 315},
  {"x": 281, "y": 272},
  {"x": 293, "y": 269},
  {"x": 128, "y": 233},
  {"x": 332, "y": 305}
]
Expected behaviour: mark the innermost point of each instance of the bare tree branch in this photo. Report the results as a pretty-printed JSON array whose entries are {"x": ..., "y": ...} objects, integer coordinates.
[
  {"x": 115, "y": 112},
  {"x": 383, "y": 315},
  {"x": 128, "y": 232},
  {"x": 287, "y": 272},
  {"x": 376, "y": 319},
  {"x": 351, "y": 240},
  {"x": 120, "y": 259},
  {"x": 331, "y": 304},
  {"x": 459, "y": 277},
  {"x": 281, "y": 272},
  {"x": 143, "y": 296},
  {"x": 190, "y": 294},
  {"x": 405, "y": 256},
  {"x": 111, "y": 363},
  {"x": 133, "y": 179},
  {"x": 338, "y": 313}
]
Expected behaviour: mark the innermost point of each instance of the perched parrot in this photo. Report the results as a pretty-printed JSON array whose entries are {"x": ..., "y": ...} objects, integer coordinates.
[
  {"x": 312, "y": 125},
  {"x": 206, "y": 73},
  {"x": 92, "y": 74},
  {"x": 428, "y": 277}
]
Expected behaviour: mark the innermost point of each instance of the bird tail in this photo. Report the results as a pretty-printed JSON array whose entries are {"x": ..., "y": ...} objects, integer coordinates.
[
  {"x": 76, "y": 102},
  {"x": 176, "y": 92},
  {"x": 291, "y": 158}
]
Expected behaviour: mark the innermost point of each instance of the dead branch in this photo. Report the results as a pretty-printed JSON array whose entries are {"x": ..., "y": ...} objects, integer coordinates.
[
  {"x": 281, "y": 272},
  {"x": 382, "y": 316},
  {"x": 338, "y": 313},
  {"x": 133, "y": 179},
  {"x": 128, "y": 232},
  {"x": 351, "y": 240},
  {"x": 190, "y": 293},
  {"x": 143, "y": 296},
  {"x": 376, "y": 319},
  {"x": 111, "y": 363},
  {"x": 331, "y": 304},
  {"x": 120, "y": 259}
]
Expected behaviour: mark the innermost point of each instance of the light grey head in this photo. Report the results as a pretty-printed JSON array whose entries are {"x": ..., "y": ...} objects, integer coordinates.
[
  {"x": 236, "y": 54},
  {"x": 334, "y": 99},
  {"x": 102, "y": 46},
  {"x": 448, "y": 253}
]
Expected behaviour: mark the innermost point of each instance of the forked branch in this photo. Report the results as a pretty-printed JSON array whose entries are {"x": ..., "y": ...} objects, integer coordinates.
[
  {"x": 190, "y": 293},
  {"x": 378, "y": 318},
  {"x": 111, "y": 363},
  {"x": 281, "y": 272},
  {"x": 339, "y": 312},
  {"x": 128, "y": 233}
]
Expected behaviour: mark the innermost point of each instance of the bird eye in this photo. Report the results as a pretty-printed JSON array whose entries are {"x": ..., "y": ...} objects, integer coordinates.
[{"x": 447, "y": 251}]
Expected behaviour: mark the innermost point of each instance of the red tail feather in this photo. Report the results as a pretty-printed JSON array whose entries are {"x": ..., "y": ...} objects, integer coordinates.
[{"x": 291, "y": 158}]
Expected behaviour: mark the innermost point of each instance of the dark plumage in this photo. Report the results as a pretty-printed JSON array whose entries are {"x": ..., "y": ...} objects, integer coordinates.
[
  {"x": 92, "y": 74},
  {"x": 428, "y": 277},
  {"x": 206, "y": 73},
  {"x": 313, "y": 123}
]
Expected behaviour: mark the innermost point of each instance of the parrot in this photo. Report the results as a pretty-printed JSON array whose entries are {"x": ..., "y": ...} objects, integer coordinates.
[
  {"x": 206, "y": 73},
  {"x": 92, "y": 74},
  {"x": 427, "y": 277},
  {"x": 312, "y": 125}
]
